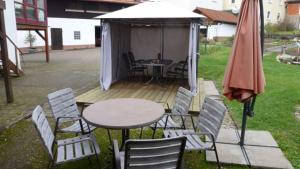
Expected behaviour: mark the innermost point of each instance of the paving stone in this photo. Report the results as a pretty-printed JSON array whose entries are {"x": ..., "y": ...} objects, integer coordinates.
[
  {"x": 228, "y": 136},
  {"x": 269, "y": 157},
  {"x": 297, "y": 115},
  {"x": 260, "y": 138},
  {"x": 261, "y": 148},
  {"x": 228, "y": 154}
]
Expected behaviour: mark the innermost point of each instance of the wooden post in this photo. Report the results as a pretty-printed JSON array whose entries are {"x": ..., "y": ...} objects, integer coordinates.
[
  {"x": 4, "y": 56},
  {"x": 47, "y": 46}
]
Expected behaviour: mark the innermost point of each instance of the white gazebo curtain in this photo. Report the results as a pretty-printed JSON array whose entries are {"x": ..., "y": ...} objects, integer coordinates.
[
  {"x": 112, "y": 66},
  {"x": 106, "y": 59},
  {"x": 192, "y": 60}
]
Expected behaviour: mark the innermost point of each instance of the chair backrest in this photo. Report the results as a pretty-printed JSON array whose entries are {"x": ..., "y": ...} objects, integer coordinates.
[
  {"x": 185, "y": 63},
  {"x": 43, "y": 128},
  {"x": 63, "y": 104},
  {"x": 126, "y": 59},
  {"x": 211, "y": 116},
  {"x": 131, "y": 58},
  {"x": 182, "y": 102},
  {"x": 157, "y": 153}
]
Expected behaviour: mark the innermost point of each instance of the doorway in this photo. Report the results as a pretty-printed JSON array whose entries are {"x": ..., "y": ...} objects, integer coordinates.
[
  {"x": 98, "y": 32},
  {"x": 56, "y": 39}
]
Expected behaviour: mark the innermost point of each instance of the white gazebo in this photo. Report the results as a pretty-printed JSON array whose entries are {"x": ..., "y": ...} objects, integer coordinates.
[{"x": 147, "y": 29}]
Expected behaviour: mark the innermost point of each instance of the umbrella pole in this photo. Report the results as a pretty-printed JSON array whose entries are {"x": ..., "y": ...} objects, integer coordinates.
[{"x": 244, "y": 122}]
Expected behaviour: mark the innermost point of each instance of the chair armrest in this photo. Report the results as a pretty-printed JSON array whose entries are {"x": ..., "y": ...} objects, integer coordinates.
[
  {"x": 72, "y": 119},
  {"x": 117, "y": 157},
  {"x": 140, "y": 60},
  {"x": 182, "y": 115},
  {"x": 204, "y": 134}
]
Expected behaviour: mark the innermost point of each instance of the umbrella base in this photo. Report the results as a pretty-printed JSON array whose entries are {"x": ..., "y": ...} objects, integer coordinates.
[{"x": 260, "y": 150}]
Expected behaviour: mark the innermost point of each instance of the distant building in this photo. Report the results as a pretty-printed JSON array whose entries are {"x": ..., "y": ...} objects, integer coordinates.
[
  {"x": 220, "y": 24},
  {"x": 274, "y": 10},
  {"x": 23, "y": 15},
  {"x": 71, "y": 23},
  {"x": 293, "y": 12}
]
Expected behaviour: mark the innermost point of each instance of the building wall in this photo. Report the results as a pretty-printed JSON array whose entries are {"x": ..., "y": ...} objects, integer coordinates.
[
  {"x": 68, "y": 25},
  {"x": 273, "y": 7},
  {"x": 220, "y": 30},
  {"x": 11, "y": 29}
]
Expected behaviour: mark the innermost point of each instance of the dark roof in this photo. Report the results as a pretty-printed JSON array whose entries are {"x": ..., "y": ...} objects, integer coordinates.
[
  {"x": 292, "y": 1},
  {"x": 217, "y": 16}
]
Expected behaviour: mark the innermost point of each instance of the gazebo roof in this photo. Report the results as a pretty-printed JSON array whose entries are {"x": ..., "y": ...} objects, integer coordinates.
[{"x": 152, "y": 10}]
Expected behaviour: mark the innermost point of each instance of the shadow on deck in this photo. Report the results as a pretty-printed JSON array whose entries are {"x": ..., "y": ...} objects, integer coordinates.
[{"x": 164, "y": 93}]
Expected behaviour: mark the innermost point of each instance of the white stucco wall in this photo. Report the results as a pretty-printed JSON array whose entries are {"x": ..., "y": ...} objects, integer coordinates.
[
  {"x": 221, "y": 30},
  {"x": 11, "y": 29},
  {"x": 275, "y": 7},
  {"x": 85, "y": 26}
]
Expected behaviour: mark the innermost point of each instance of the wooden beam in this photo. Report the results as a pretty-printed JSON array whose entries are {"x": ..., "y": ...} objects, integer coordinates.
[
  {"x": 47, "y": 46},
  {"x": 39, "y": 33},
  {"x": 4, "y": 57}
]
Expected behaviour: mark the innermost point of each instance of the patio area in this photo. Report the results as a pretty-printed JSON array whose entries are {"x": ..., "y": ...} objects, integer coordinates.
[{"x": 160, "y": 93}]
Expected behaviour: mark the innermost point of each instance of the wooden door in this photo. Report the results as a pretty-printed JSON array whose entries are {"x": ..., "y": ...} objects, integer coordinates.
[{"x": 56, "y": 39}]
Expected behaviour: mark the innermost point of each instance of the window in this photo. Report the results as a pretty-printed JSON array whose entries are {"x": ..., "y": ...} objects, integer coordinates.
[
  {"x": 30, "y": 11},
  {"x": 232, "y": 1},
  {"x": 76, "y": 35},
  {"x": 278, "y": 16},
  {"x": 268, "y": 15}
]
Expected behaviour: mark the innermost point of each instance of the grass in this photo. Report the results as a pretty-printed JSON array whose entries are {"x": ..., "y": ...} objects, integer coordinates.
[{"x": 274, "y": 110}]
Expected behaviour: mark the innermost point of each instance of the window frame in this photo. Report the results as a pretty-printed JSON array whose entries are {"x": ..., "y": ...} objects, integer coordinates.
[
  {"x": 34, "y": 5},
  {"x": 77, "y": 35}
]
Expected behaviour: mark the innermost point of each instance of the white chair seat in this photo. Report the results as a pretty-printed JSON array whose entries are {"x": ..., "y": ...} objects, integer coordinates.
[
  {"x": 76, "y": 148},
  {"x": 76, "y": 128},
  {"x": 193, "y": 142}
]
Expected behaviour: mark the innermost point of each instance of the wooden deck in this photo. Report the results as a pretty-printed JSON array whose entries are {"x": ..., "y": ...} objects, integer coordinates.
[{"x": 161, "y": 94}]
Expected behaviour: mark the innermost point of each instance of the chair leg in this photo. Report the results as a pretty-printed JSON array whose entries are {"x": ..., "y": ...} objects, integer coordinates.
[
  {"x": 141, "y": 133},
  {"x": 109, "y": 137},
  {"x": 90, "y": 161},
  {"x": 217, "y": 156},
  {"x": 49, "y": 165},
  {"x": 98, "y": 160},
  {"x": 154, "y": 130}
]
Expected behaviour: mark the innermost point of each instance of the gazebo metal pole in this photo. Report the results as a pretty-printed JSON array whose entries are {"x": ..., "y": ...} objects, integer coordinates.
[{"x": 249, "y": 105}]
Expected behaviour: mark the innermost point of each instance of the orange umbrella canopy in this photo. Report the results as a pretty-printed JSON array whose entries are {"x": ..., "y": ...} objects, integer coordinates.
[{"x": 244, "y": 76}]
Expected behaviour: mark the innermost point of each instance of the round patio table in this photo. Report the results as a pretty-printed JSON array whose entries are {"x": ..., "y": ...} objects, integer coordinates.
[{"x": 123, "y": 114}]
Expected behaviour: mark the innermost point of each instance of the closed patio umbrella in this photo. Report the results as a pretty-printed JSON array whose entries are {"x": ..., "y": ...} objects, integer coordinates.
[{"x": 244, "y": 76}]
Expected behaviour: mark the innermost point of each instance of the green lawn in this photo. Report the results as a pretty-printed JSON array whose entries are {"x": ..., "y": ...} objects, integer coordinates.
[{"x": 275, "y": 108}]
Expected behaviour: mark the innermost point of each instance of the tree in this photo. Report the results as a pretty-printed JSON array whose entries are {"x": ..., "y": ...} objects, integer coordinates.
[{"x": 30, "y": 39}]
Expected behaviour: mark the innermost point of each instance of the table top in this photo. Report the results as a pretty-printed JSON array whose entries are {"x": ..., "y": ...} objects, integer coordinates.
[
  {"x": 125, "y": 113},
  {"x": 155, "y": 62}
]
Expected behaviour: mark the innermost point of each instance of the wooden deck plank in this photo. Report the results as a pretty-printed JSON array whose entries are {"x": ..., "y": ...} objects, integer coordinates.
[{"x": 125, "y": 89}]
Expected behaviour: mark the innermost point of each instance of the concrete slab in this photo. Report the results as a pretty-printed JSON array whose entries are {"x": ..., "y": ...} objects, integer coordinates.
[
  {"x": 252, "y": 137},
  {"x": 267, "y": 157},
  {"x": 260, "y": 138},
  {"x": 228, "y": 136},
  {"x": 261, "y": 149},
  {"x": 228, "y": 154}
]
